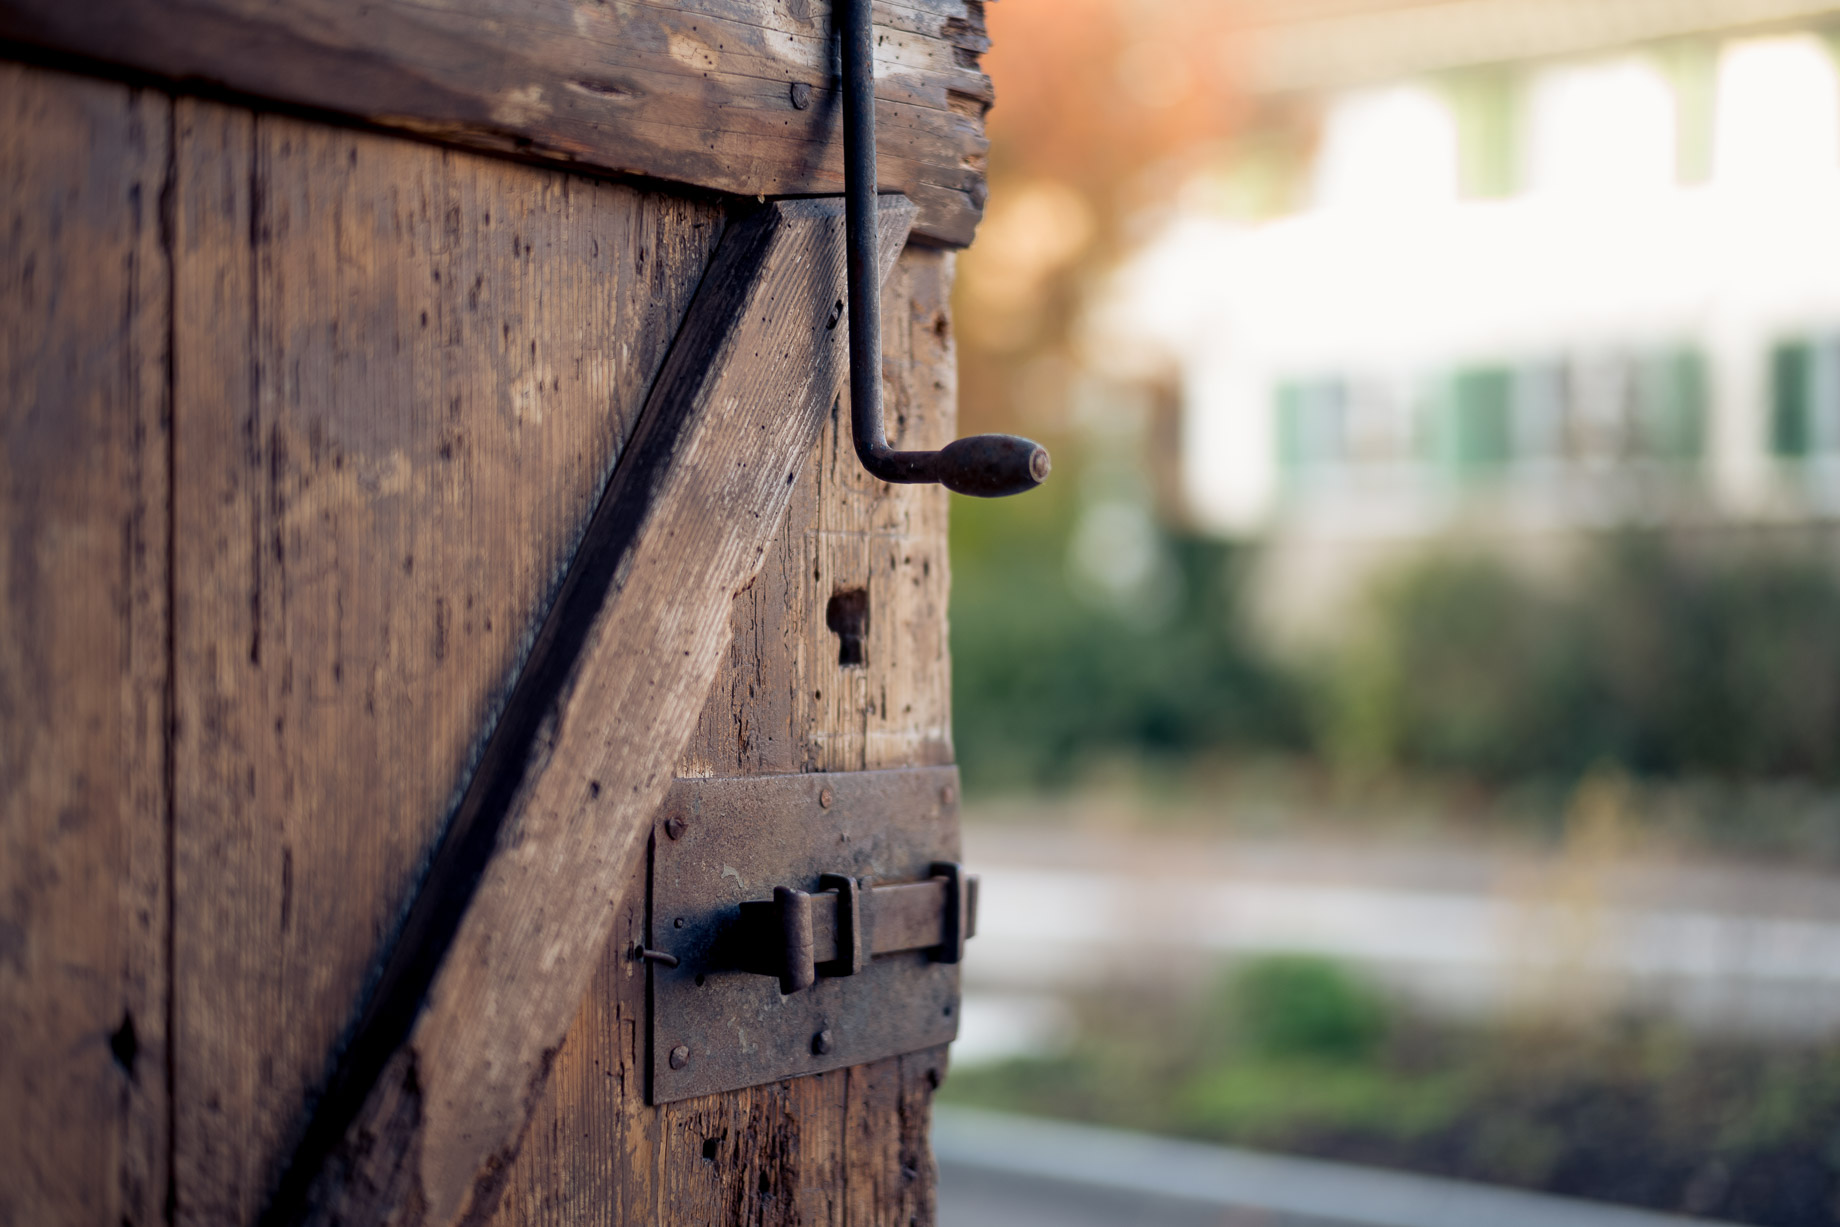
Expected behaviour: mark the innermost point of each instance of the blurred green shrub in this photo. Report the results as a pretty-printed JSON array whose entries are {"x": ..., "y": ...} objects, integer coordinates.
[
  {"x": 1458, "y": 664},
  {"x": 1301, "y": 1006},
  {"x": 1730, "y": 668},
  {"x": 1045, "y": 682},
  {"x": 1653, "y": 659}
]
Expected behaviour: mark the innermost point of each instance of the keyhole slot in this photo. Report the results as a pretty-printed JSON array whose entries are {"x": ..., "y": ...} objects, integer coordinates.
[{"x": 848, "y": 617}]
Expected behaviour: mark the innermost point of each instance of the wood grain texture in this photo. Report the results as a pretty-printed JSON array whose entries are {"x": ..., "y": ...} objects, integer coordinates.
[
  {"x": 83, "y": 651},
  {"x": 302, "y": 425},
  {"x": 403, "y": 377},
  {"x": 696, "y": 92},
  {"x": 563, "y": 798},
  {"x": 848, "y": 1147}
]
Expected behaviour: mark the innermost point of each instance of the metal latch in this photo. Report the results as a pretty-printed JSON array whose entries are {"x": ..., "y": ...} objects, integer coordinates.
[
  {"x": 802, "y": 923},
  {"x": 797, "y": 936}
]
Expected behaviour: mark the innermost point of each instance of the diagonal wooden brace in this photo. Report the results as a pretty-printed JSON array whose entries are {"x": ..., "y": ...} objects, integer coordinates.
[{"x": 431, "y": 1095}]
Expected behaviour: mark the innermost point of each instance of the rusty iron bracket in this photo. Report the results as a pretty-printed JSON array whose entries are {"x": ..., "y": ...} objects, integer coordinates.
[{"x": 802, "y": 923}]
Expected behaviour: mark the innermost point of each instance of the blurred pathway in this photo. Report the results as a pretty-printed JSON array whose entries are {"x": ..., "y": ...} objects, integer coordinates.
[
  {"x": 997, "y": 1170},
  {"x": 1459, "y": 931}
]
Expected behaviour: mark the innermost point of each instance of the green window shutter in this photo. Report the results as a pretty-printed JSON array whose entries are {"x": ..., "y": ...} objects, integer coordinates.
[
  {"x": 1671, "y": 406},
  {"x": 1482, "y": 427},
  {"x": 1791, "y": 410}
]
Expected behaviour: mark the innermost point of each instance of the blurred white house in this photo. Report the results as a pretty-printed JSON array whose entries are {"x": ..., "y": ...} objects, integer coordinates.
[{"x": 1542, "y": 267}]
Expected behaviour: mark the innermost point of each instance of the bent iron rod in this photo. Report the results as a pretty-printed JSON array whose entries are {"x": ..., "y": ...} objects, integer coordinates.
[{"x": 988, "y": 466}]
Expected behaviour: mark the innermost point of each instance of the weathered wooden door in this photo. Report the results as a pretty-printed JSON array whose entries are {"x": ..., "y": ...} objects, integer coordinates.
[{"x": 366, "y": 492}]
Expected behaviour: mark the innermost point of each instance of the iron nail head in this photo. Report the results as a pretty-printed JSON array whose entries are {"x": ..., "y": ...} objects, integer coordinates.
[
  {"x": 680, "y": 1056},
  {"x": 674, "y": 826},
  {"x": 801, "y": 95},
  {"x": 825, "y": 797},
  {"x": 822, "y": 1042}
]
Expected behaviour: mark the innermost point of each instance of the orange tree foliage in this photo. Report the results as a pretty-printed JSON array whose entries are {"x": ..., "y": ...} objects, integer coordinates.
[
  {"x": 1092, "y": 93},
  {"x": 1102, "y": 108}
]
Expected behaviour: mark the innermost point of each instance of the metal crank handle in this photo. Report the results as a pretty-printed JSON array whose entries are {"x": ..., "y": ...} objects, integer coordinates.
[{"x": 988, "y": 466}]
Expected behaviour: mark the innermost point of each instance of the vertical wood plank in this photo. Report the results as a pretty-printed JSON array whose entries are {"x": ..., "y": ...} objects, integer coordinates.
[
  {"x": 846, "y": 1148},
  {"x": 84, "y": 298},
  {"x": 404, "y": 375},
  {"x": 217, "y": 653}
]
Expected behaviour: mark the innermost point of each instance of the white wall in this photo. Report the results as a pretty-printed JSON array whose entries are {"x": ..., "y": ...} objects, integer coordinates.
[{"x": 1390, "y": 277}]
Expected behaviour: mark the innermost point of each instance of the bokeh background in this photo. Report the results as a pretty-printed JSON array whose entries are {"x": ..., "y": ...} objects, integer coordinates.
[{"x": 1406, "y": 728}]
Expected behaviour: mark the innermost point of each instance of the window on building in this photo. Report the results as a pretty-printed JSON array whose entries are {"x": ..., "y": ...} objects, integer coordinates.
[
  {"x": 1471, "y": 428},
  {"x": 1541, "y": 397},
  {"x": 1387, "y": 147},
  {"x": 1778, "y": 110},
  {"x": 1669, "y": 405},
  {"x": 1312, "y": 428},
  {"x": 1805, "y": 398},
  {"x": 1608, "y": 125}
]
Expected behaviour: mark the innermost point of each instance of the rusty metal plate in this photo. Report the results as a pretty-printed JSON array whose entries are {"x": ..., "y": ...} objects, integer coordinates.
[{"x": 720, "y": 843}]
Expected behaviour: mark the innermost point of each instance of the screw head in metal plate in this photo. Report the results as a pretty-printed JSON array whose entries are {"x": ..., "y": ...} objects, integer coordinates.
[
  {"x": 680, "y": 1056},
  {"x": 822, "y": 1042},
  {"x": 825, "y": 797},
  {"x": 674, "y": 826}
]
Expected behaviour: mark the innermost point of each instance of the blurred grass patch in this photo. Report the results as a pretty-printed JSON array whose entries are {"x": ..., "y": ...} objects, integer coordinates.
[
  {"x": 1277, "y": 1103},
  {"x": 1304, "y": 1007},
  {"x": 1049, "y": 680},
  {"x": 1295, "y": 1053}
]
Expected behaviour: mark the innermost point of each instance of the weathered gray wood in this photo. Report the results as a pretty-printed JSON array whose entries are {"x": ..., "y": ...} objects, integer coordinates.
[
  {"x": 507, "y": 927},
  {"x": 698, "y": 92},
  {"x": 84, "y": 676},
  {"x": 844, "y": 1147},
  {"x": 403, "y": 377}
]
